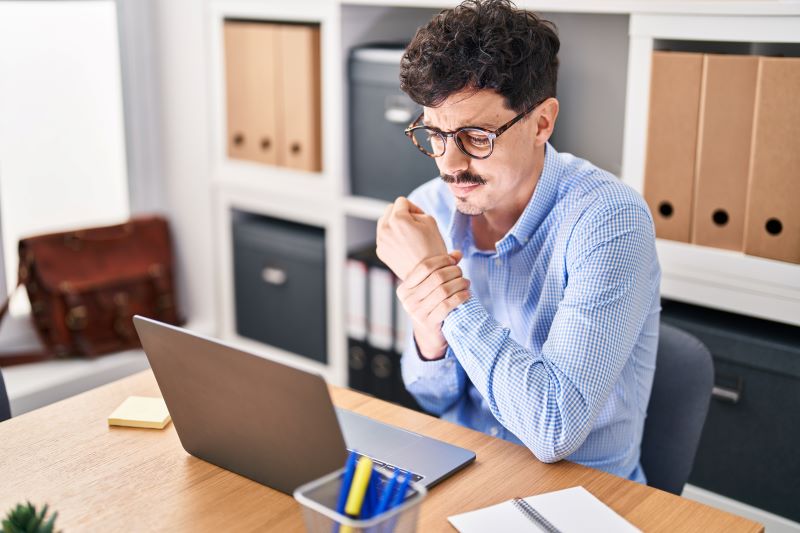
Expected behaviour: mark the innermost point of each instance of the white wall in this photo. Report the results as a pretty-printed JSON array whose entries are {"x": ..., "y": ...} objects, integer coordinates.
[
  {"x": 62, "y": 143},
  {"x": 184, "y": 128}
]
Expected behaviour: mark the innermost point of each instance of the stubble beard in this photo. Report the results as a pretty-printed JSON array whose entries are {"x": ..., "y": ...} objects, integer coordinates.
[
  {"x": 466, "y": 208},
  {"x": 463, "y": 205}
]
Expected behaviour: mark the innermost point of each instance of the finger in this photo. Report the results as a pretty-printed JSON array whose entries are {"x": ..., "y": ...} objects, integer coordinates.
[
  {"x": 414, "y": 208},
  {"x": 424, "y": 219},
  {"x": 384, "y": 220},
  {"x": 436, "y": 279},
  {"x": 424, "y": 268},
  {"x": 456, "y": 255},
  {"x": 441, "y": 311},
  {"x": 442, "y": 293},
  {"x": 402, "y": 207}
]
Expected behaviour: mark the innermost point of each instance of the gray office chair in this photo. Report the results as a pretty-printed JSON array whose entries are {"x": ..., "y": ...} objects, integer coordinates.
[
  {"x": 5, "y": 408},
  {"x": 677, "y": 410}
]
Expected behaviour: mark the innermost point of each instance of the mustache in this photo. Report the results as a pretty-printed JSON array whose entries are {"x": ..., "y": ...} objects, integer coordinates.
[{"x": 466, "y": 177}]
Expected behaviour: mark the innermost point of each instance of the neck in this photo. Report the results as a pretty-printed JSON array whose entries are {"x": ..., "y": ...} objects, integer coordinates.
[{"x": 492, "y": 225}]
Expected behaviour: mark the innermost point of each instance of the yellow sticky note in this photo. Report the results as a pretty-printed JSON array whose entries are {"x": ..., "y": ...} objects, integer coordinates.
[{"x": 141, "y": 412}]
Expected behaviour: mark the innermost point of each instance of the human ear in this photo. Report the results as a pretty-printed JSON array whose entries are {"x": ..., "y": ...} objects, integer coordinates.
[{"x": 545, "y": 120}]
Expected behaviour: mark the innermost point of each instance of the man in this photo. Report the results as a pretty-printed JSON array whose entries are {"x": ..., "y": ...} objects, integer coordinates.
[{"x": 546, "y": 333}]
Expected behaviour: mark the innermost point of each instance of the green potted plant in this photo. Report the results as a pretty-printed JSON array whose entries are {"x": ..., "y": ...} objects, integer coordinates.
[{"x": 27, "y": 519}]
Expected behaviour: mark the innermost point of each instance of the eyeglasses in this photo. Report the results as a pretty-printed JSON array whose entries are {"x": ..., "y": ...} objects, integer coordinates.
[{"x": 477, "y": 143}]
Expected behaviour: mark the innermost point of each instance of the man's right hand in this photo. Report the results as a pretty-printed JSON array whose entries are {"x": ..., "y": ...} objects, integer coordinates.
[
  {"x": 406, "y": 236},
  {"x": 431, "y": 290}
]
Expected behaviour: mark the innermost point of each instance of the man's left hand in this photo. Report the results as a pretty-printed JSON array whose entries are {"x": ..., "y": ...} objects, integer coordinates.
[{"x": 406, "y": 236}]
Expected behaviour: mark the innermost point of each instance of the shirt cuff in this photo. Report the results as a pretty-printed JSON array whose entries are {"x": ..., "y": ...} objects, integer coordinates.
[
  {"x": 415, "y": 366},
  {"x": 464, "y": 319}
]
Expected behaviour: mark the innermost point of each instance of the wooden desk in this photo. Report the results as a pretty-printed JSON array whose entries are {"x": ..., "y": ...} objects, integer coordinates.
[{"x": 121, "y": 479}]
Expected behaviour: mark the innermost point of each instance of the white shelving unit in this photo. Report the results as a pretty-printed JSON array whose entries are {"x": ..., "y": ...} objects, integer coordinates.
[
  {"x": 604, "y": 75},
  {"x": 604, "y": 78},
  {"x": 701, "y": 275}
]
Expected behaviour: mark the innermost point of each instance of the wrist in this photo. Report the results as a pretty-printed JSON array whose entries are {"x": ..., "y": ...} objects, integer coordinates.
[{"x": 430, "y": 346}]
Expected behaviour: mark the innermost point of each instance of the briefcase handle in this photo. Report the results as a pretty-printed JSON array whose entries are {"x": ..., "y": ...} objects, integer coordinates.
[{"x": 106, "y": 234}]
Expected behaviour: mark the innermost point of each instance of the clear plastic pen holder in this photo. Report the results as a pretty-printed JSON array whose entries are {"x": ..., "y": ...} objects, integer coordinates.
[{"x": 319, "y": 497}]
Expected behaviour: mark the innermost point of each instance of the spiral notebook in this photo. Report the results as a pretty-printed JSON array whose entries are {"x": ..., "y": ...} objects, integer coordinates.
[{"x": 569, "y": 510}]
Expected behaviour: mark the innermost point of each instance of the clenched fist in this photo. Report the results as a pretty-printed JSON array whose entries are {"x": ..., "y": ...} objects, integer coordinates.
[{"x": 406, "y": 236}]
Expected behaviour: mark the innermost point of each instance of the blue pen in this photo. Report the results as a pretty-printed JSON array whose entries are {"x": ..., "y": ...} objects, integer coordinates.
[
  {"x": 400, "y": 495},
  {"x": 349, "y": 470},
  {"x": 368, "y": 508},
  {"x": 374, "y": 493},
  {"x": 383, "y": 504}
]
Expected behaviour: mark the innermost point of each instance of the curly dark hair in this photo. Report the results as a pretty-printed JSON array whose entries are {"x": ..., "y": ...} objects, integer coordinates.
[{"x": 482, "y": 44}]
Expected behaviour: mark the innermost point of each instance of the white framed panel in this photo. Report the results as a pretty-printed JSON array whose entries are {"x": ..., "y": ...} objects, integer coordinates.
[
  {"x": 228, "y": 197},
  {"x": 716, "y": 278},
  {"x": 730, "y": 281},
  {"x": 766, "y": 29},
  {"x": 325, "y": 184}
]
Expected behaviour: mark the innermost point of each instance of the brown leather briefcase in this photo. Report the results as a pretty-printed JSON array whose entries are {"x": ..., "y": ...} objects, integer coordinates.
[{"x": 85, "y": 286}]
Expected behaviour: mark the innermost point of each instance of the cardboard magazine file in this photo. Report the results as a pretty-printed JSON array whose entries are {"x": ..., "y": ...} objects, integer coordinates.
[
  {"x": 298, "y": 74},
  {"x": 723, "y": 150},
  {"x": 672, "y": 142},
  {"x": 252, "y": 99},
  {"x": 772, "y": 226}
]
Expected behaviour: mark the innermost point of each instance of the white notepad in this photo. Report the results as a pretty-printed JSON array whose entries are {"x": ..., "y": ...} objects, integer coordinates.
[{"x": 570, "y": 510}]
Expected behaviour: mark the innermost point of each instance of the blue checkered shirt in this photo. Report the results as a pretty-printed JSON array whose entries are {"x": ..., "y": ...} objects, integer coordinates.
[{"x": 556, "y": 347}]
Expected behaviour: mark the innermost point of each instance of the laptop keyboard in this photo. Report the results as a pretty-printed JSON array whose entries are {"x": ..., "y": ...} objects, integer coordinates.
[{"x": 388, "y": 470}]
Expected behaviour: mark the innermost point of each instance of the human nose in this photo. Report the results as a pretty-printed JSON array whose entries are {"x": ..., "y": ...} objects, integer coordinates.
[{"x": 453, "y": 160}]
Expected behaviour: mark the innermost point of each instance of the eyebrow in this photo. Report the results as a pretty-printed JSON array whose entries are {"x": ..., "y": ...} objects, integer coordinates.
[{"x": 481, "y": 125}]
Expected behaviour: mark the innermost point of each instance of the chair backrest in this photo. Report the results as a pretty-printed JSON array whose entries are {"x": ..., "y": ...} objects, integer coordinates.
[
  {"x": 5, "y": 408},
  {"x": 677, "y": 410}
]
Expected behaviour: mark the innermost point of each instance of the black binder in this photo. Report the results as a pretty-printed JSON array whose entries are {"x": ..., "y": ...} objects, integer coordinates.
[{"x": 371, "y": 369}]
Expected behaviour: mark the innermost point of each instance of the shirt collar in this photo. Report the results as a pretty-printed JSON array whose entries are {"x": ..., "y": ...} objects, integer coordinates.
[{"x": 542, "y": 201}]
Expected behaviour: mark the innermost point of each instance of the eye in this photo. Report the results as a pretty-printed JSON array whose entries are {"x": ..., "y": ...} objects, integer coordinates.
[{"x": 479, "y": 141}]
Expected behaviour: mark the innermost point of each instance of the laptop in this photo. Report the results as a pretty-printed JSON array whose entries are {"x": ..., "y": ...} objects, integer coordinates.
[{"x": 273, "y": 423}]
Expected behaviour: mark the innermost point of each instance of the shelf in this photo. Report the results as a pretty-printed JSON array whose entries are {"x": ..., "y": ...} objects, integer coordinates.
[
  {"x": 317, "y": 212},
  {"x": 273, "y": 179},
  {"x": 281, "y": 356},
  {"x": 318, "y": 186},
  {"x": 709, "y": 277},
  {"x": 689, "y": 7},
  {"x": 367, "y": 208},
  {"x": 730, "y": 281},
  {"x": 604, "y": 88}
]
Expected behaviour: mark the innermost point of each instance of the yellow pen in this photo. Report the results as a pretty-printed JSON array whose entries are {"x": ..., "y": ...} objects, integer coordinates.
[{"x": 358, "y": 487}]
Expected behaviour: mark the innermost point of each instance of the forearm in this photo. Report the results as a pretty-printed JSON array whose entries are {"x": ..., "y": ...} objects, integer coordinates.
[
  {"x": 527, "y": 393},
  {"x": 550, "y": 396}
]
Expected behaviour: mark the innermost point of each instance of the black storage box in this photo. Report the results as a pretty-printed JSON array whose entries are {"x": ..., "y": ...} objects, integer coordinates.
[
  {"x": 279, "y": 284},
  {"x": 750, "y": 447},
  {"x": 384, "y": 163}
]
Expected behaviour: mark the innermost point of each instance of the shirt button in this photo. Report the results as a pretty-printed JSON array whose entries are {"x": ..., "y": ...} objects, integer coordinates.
[
  {"x": 494, "y": 431},
  {"x": 498, "y": 262}
]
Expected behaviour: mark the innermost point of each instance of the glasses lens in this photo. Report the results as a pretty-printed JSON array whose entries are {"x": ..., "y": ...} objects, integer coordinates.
[
  {"x": 476, "y": 143},
  {"x": 430, "y": 141}
]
